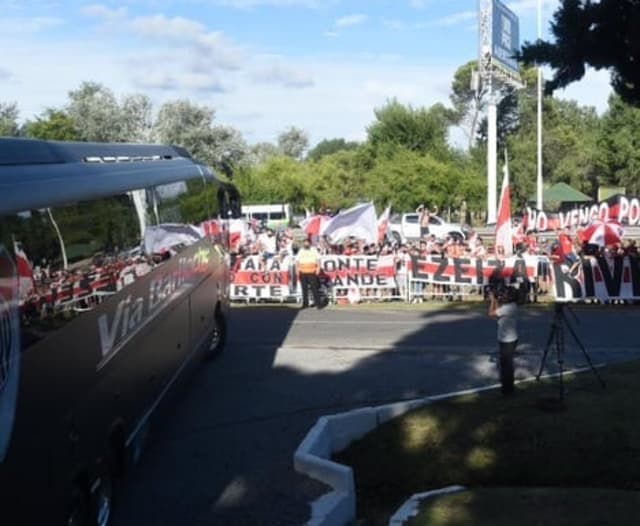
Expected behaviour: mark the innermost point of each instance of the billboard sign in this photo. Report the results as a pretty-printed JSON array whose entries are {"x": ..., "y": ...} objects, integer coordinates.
[{"x": 505, "y": 33}]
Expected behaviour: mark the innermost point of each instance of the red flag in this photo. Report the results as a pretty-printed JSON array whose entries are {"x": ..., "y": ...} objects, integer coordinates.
[
  {"x": 24, "y": 271},
  {"x": 503, "y": 223},
  {"x": 383, "y": 224},
  {"x": 312, "y": 225}
]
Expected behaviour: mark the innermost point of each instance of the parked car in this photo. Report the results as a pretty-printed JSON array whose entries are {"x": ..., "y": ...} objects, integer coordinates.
[{"x": 406, "y": 227}]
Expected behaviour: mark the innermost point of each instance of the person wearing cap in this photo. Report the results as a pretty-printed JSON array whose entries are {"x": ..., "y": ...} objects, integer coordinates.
[{"x": 308, "y": 265}]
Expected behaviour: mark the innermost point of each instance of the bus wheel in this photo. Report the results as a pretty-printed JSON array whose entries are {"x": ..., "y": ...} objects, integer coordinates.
[
  {"x": 79, "y": 514},
  {"x": 218, "y": 336},
  {"x": 103, "y": 498}
]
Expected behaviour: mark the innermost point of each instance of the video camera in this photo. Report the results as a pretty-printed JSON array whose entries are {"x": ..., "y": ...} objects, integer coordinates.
[{"x": 516, "y": 291}]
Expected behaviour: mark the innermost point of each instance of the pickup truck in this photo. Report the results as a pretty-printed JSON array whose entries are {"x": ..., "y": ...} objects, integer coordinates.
[{"x": 406, "y": 227}]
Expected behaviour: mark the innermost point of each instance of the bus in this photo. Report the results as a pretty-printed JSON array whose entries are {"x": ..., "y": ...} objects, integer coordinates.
[
  {"x": 273, "y": 216},
  {"x": 114, "y": 282}
]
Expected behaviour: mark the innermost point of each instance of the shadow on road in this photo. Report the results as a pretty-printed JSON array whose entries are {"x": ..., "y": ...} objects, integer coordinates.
[{"x": 222, "y": 455}]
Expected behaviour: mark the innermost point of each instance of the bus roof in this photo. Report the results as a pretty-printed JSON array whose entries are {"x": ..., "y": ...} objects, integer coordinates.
[{"x": 38, "y": 174}]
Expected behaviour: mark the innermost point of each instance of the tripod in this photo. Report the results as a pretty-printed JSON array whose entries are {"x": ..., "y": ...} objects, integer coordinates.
[{"x": 556, "y": 336}]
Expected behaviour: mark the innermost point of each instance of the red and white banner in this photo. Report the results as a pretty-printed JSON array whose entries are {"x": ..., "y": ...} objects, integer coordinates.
[
  {"x": 624, "y": 209},
  {"x": 254, "y": 277},
  {"x": 472, "y": 271},
  {"x": 363, "y": 272},
  {"x": 597, "y": 278}
]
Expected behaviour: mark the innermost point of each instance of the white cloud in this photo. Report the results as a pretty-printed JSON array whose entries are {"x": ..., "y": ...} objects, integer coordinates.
[
  {"x": 283, "y": 75},
  {"x": 5, "y": 74},
  {"x": 247, "y": 4},
  {"x": 418, "y": 4},
  {"x": 455, "y": 18},
  {"x": 28, "y": 25},
  {"x": 394, "y": 25},
  {"x": 104, "y": 13},
  {"x": 185, "y": 54},
  {"x": 351, "y": 20},
  {"x": 526, "y": 6},
  {"x": 161, "y": 27}
]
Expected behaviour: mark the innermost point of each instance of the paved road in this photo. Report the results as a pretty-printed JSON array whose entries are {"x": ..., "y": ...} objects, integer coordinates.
[{"x": 223, "y": 452}]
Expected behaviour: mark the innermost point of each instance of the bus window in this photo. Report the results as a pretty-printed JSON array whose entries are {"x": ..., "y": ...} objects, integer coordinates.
[
  {"x": 76, "y": 256},
  {"x": 174, "y": 213}
]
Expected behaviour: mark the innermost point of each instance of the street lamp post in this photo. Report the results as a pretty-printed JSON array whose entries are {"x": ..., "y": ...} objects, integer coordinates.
[{"x": 539, "y": 172}]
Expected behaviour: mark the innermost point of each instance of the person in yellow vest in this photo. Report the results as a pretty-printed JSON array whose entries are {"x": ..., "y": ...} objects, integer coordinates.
[{"x": 308, "y": 265}]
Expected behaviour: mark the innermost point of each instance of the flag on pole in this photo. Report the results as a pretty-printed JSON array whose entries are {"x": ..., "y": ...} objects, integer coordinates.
[
  {"x": 383, "y": 224},
  {"x": 23, "y": 270},
  {"x": 503, "y": 222},
  {"x": 359, "y": 221},
  {"x": 313, "y": 224}
]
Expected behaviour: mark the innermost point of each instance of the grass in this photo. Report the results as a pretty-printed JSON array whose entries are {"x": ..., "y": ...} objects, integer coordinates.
[
  {"x": 485, "y": 441},
  {"x": 532, "y": 507}
]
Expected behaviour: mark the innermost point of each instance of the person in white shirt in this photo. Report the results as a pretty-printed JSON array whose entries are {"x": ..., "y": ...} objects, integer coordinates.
[{"x": 503, "y": 307}]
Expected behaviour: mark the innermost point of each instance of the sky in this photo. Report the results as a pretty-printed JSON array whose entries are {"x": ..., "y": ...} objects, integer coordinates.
[{"x": 264, "y": 65}]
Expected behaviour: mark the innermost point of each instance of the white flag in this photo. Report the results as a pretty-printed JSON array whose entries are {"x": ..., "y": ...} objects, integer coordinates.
[{"x": 360, "y": 222}]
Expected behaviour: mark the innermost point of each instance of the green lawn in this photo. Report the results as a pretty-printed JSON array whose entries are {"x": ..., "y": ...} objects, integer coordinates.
[
  {"x": 531, "y": 507},
  {"x": 487, "y": 441}
]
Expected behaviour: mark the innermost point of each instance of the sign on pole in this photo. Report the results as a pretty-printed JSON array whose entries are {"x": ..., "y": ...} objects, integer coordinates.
[{"x": 505, "y": 41}]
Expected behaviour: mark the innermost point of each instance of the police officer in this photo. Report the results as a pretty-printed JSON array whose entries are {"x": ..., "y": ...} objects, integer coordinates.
[{"x": 308, "y": 264}]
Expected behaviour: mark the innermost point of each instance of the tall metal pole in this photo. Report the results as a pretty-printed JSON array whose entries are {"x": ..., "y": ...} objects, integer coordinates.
[
  {"x": 492, "y": 154},
  {"x": 539, "y": 175}
]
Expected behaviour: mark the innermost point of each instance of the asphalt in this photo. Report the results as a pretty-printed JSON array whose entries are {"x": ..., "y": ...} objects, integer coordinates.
[{"x": 222, "y": 452}]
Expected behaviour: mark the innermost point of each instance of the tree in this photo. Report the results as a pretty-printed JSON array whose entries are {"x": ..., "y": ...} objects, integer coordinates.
[
  {"x": 419, "y": 130},
  {"x": 261, "y": 152},
  {"x": 191, "y": 126},
  {"x": 9, "y": 119},
  {"x": 468, "y": 102},
  {"x": 95, "y": 113},
  {"x": 53, "y": 125},
  {"x": 600, "y": 34},
  {"x": 135, "y": 114},
  {"x": 329, "y": 146},
  {"x": 293, "y": 142},
  {"x": 619, "y": 146},
  {"x": 510, "y": 108},
  {"x": 569, "y": 148}
]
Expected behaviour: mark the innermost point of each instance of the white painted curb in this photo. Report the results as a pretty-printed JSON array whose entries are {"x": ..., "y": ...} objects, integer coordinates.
[
  {"x": 332, "y": 434},
  {"x": 410, "y": 508}
]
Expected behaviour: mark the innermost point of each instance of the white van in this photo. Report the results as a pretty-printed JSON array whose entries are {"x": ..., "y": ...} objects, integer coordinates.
[{"x": 273, "y": 216}]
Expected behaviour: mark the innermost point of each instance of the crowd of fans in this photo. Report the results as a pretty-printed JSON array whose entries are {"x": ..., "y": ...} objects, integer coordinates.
[{"x": 82, "y": 287}]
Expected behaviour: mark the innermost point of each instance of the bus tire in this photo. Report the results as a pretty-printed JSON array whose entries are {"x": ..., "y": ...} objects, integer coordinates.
[
  {"x": 79, "y": 509},
  {"x": 218, "y": 336},
  {"x": 103, "y": 497}
]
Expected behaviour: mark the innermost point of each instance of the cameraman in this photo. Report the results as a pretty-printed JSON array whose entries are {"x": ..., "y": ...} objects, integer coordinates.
[{"x": 503, "y": 306}]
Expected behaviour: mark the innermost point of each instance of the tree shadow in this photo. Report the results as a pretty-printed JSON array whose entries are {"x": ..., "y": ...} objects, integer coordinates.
[{"x": 223, "y": 452}]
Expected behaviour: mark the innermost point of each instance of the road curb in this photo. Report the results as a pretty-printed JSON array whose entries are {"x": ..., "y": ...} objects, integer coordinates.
[
  {"x": 333, "y": 433},
  {"x": 410, "y": 507}
]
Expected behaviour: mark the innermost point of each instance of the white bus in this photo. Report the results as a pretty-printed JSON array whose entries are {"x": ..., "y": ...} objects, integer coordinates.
[{"x": 272, "y": 216}]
